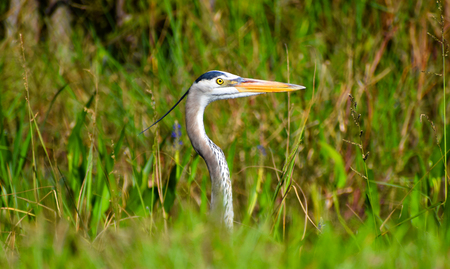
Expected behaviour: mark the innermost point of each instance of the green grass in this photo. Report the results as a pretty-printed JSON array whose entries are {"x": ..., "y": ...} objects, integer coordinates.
[{"x": 80, "y": 187}]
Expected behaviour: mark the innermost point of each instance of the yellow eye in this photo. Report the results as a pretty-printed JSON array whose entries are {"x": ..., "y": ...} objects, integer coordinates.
[{"x": 219, "y": 81}]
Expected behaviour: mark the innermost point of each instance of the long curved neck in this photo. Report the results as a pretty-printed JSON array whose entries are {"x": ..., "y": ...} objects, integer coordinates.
[{"x": 213, "y": 156}]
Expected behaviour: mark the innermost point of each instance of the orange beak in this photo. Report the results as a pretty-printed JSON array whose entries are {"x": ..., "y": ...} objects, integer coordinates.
[{"x": 256, "y": 85}]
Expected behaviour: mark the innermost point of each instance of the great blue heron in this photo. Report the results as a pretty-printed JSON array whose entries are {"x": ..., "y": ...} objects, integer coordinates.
[{"x": 209, "y": 87}]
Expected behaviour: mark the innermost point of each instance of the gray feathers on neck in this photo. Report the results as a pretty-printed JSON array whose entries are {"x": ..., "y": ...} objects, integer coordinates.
[{"x": 221, "y": 194}]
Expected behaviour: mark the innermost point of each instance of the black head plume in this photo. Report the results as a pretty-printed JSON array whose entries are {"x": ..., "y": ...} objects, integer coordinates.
[{"x": 182, "y": 97}]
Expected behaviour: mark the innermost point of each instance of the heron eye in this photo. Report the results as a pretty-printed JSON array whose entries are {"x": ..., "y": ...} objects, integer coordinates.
[{"x": 219, "y": 81}]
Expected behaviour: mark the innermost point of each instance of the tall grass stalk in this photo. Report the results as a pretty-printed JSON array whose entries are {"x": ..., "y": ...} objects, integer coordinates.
[
  {"x": 443, "y": 45},
  {"x": 285, "y": 183},
  {"x": 287, "y": 140},
  {"x": 356, "y": 119},
  {"x": 31, "y": 119}
]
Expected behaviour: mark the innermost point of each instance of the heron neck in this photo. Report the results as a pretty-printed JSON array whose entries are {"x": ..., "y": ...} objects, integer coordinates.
[{"x": 214, "y": 158}]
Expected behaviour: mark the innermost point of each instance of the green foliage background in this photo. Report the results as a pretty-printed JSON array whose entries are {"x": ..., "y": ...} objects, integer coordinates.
[{"x": 80, "y": 79}]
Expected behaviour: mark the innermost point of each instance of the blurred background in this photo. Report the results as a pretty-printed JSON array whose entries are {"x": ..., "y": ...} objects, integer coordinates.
[{"x": 79, "y": 80}]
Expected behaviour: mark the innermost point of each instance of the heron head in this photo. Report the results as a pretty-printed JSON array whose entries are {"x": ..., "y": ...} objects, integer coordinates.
[{"x": 216, "y": 85}]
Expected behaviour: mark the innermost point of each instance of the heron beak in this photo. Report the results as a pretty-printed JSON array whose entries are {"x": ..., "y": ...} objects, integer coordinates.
[{"x": 256, "y": 85}]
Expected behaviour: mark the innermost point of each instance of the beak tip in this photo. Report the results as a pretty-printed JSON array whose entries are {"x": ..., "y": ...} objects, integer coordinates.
[{"x": 297, "y": 87}]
